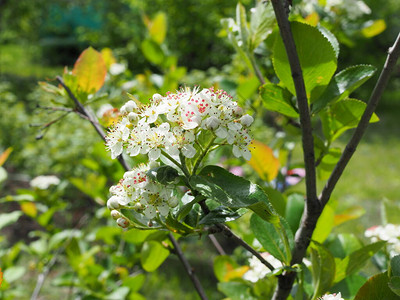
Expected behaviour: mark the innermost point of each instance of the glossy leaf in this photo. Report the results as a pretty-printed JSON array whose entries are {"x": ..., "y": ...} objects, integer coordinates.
[
  {"x": 373, "y": 28},
  {"x": 270, "y": 237},
  {"x": 233, "y": 191},
  {"x": 90, "y": 71},
  {"x": 263, "y": 161},
  {"x": 152, "y": 255},
  {"x": 221, "y": 215},
  {"x": 323, "y": 268},
  {"x": 331, "y": 38},
  {"x": 294, "y": 210},
  {"x": 356, "y": 260},
  {"x": 177, "y": 227},
  {"x": 343, "y": 84},
  {"x": 317, "y": 59},
  {"x": 342, "y": 116},
  {"x": 376, "y": 288},
  {"x": 277, "y": 199},
  {"x": 276, "y": 98}
]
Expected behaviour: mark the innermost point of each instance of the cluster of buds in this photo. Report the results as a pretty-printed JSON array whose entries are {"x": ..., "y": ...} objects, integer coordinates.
[
  {"x": 174, "y": 122},
  {"x": 389, "y": 233},
  {"x": 331, "y": 297},
  {"x": 139, "y": 192}
]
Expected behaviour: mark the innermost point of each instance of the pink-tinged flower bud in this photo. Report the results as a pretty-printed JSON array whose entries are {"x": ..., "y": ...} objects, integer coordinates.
[
  {"x": 173, "y": 201},
  {"x": 113, "y": 203},
  {"x": 246, "y": 120},
  {"x": 238, "y": 110},
  {"x": 157, "y": 97},
  {"x": 115, "y": 214},
  {"x": 122, "y": 222},
  {"x": 212, "y": 123}
]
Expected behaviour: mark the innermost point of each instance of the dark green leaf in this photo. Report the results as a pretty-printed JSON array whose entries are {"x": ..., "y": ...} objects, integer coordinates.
[
  {"x": 394, "y": 284},
  {"x": 376, "y": 288},
  {"x": 218, "y": 184},
  {"x": 356, "y": 260},
  {"x": 317, "y": 59},
  {"x": 152, "y": 255},
  {"x": 163, "y": 174},
  {"x": 343, "y": 244},
  {"x": 270, "y": 237},
  {"x": 349, "y": 286},
  {"x": 395, "y": 266},
  {"x": 277, "y": 99},
  {"x": 343, "y": 84},
  {"x": 221, "y": 215},
  {"x": 277, "y": 200},
  {"x": 331, "y": 38},
  {"x": 175, "y": 226},
  {"x": 323, "y": 268}
]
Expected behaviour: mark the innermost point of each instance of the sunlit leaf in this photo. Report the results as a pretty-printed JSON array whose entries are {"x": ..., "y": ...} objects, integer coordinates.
[
  {"x": 277, "y": 98},
  {"x": 324, "y": 225},
  {"x": 353, "y": 212},
  {"x": 263, "y": 161},
  {"x": 90, "y": 71},
  {"x": 152, "y": 51},
  {"x": 313, "y": 19},
  {"x": 108, "y": 57},
  {"x": 152, "y": 255},
  {"x": 373, "y": 28},
  {"x": 236, "y": 290},
  {"x": 29, "y": 208},
  {"x": 158, "y": 27}
]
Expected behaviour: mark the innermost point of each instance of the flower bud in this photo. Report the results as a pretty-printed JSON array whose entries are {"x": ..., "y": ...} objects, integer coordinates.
[
  {"x": 157, "y": 97},
  {"x": 138, "y": 207},
  {"x": 238, "y": 110},
  {"x": 212, "y": 123},
  {"x": 173, "y": 201},
  {"x": 128, "y": 107},
  {"x": 115, "y": 214},
  {"x": 113, "y": 203},
  {"x": 132, "y": 117},
  {"x": 246, "y": 120},
  {"x": 123, "y": 222}
]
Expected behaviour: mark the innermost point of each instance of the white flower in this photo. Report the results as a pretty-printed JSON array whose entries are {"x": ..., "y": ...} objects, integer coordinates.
[
  {"x": 43, "y": 182},
  {"x": 116, "y": 69},
  {"x": 246, "y": 120},
  {"x": 258, "y": 270},
  {"x": 332, "y": 297},
  {"x": 128, "y": 107},
  {"x": 389, "y": 233}
]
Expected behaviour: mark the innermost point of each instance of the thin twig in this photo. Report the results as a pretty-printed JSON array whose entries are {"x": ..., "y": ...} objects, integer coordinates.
[
  {"x": 178, "y": 250},
  {"x": 216, "y": 244},
  {"x": 189, "y": 270},
  {"x": 393, "y": 56},
  {"x": 256, "y": 69}
]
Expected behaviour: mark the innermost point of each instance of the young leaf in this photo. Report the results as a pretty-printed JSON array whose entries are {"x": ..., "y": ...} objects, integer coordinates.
[
  {"x": 317, "y": 59},
  {"x": 241, "y": 20},
  {"x": 263, "y": 161},
  {"x": 342, "y": 116},
  {"x": 323, "y": 268},
  {"x": 294, "y": 210},
  {"x": 376, "y": 288},
  {"x": 90, "y": 71},
  {"x": 158, "y": 28},
  {"x": 373, "y": 28},
  {"x": 270, "y": 237},
  {"x": 353, "y": 262},
  {"x": 343, "y": 84},
  {"x": 221, "y": 215},
  {"x": 233, "y": 191},
  {"x": 324, "y": 225},
  {"x": 152, "y": 255},
  {"x": 261, "y": 24},
  {"x": 277, "y": 99}
]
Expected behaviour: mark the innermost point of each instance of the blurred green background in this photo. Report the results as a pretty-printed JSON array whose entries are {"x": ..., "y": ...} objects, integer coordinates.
[{"x": 39, "y": 38}]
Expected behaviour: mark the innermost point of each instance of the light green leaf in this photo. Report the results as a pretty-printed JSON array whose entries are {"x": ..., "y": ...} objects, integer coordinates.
[
  {"x": 222, "y": 265},
  {"x": 343, "y": 84},
  {"x": 13, "y": 273},
  {"x": 218, "y": 184},
  {"x": 241, "y": 21},
  {"x": 118, "y": 293},
  {"x": 152, "y": 51},
  {"x": 134, "y": 282},
  {"x": 152, "y": 255},
  {"x": 323, "y": 269},
  {"x": 271, "y": 238},
  {"x": 262, "y": 22},
  {"x": 343, "y": 116},
  {"x": 324, "y": 225},
  {"x": 376, "y": 288},
  {"x": 331, "y": 38},
  {"x": 278, "y": 99},
  {"x": 294, "y": 210},
  {"x": 158, "y": 27},
  {"x": 353, "y": 262},
  {"x": 9, "y": 218},
  {"x": 317, "y": 59},
  {"x": 236, "y": 290},
  {"x": 373, "y": 28},
  {"x": 328, "y": 163}
]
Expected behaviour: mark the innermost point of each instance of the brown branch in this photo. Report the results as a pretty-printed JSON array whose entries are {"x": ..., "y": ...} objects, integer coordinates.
[
  {"x": 393, "y": 56},
  {"x": 189, "y": 270}
]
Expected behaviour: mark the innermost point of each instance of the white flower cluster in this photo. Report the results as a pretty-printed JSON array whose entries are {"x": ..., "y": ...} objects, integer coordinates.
[
  {"x": 332, "y": 297},
  {"x": 137, "y": 191},
  {"x": 352, "y": 8},
  {"x": 389, "y": 233},
  {"x": 258, "y": 270},
  {"x": 44, "y": 181},
  {"x": 173, "y": 123}
]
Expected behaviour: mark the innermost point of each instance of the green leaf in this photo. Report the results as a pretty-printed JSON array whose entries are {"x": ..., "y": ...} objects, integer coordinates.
[
  {"x": 323, "y": 268},
  {"x": 218, "y": 184},
  {"x": 317, "y": 59},
  {"x": 222, "y": 265},
  {"x": 152, "y": 255},
  {"x": 137, "y": 236},
  {"x": 395, "y": 266},
  {"x": 221, "y": 215},
  {"x": 152, "y": 51},
  {"x": 163, "y": 174},
  {"x": 343, "y": 84},
  {"x": 349, "y": 286},
  {"x": 277, "y": 200},
  {"x": 236, "y": 290},
  {"x": 328, "y": 163},
  {"x": 158, "y": 27},
  {"x": 343, "y": 116},
  {"x": 262, "y": 22},
  {"x": 394, "y": 284},
  {"x": 9, "y": 218},
  {"x": 118, "y": 293},
  {"x": 356, "y": 260},
  {"x": 247, "y": 88},
  {"x": 331, "y": 38},
  {"x": 373, "y": 28},
  {"x": 90, "y": 71},
  {"x": 278, "y": 99},
  {"x": 376, "y": 288},
  {"x": 343, "y": 244},
  {"x": 324, "y": 225},
  {"x": 294, "y": 210},
  {"x": 107, "y": 234},
  {"x": 13, "y": 273},
  {"x": 241, "y": 21},
  {"x": 175, "y": 226},
  {"x": 134, "y": 282},
  {"x": 270, "y": 237}
]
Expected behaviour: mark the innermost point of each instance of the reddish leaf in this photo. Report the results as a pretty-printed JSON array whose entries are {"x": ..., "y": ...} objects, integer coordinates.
[
  {"x": 90, "y": 70},
  {"x": 263, "y": 161}
]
